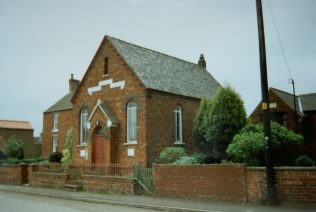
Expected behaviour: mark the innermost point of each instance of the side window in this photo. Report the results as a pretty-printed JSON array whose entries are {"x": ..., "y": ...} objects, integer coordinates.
[
  {"x": 54, "y": 144},
  {"x": 55, "y": 124},
  {"x": 83, "y": 126},
  {"x": 131, "y": 122},
  {"x": 178, "y": 125},
  {"x": 106, "y": 66}
]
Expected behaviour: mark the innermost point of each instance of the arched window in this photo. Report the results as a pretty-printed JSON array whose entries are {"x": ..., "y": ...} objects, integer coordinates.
[
  {"x": 83, "y": 126},
  {"x": 131, "y": 122},
  {"x": 178, "y": 125}
]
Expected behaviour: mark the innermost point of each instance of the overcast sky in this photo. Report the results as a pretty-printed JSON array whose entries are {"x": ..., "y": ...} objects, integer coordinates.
[{"x": 42, "y": 42}]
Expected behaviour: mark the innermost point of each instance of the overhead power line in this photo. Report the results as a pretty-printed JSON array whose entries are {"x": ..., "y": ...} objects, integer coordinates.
[{"x": 279, "y": 39}]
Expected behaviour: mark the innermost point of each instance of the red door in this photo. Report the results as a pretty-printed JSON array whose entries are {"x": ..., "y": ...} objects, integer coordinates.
[{"x": 99, "y": 150}]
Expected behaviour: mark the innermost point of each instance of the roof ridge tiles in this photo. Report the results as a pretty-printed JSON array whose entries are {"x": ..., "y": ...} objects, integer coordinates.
[{"x": 136, "y": 45}]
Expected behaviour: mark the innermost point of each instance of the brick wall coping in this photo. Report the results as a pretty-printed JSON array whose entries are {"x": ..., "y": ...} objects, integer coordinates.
[
  {"x": 108, "y": 177},
  {"x": 201, "y": 165},
  {"x": 50, "y": 173},
  {"x": 284, "y": 168},
  {"x": 8, "y": 165}
]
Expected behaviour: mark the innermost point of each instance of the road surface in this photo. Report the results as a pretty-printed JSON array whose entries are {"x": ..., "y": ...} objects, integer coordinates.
[{"x": 13, "y": 202}]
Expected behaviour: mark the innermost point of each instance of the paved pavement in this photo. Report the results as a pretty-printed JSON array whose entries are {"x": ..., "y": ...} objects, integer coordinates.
[
  {"x": 17, "y": 202},
  {"x": 153, "y": 203}
]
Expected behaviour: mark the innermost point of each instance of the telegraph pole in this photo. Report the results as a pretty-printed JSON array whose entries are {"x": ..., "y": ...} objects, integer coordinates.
[
  {"x": 271, "y": 195},
  {"x": 295, "y": 107}
]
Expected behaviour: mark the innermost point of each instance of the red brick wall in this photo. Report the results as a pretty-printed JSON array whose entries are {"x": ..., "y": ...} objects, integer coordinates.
[
  {"x": 160, "y": 122},
  {"x": 11, "y": 175},
  {"x": 116, "y": 99},
  {"x": 30, "y": 149},
  {"x": 108, "y": 184},
  {"x": 281, "y": 108},
  {"x": 293, "y": 185},
  {"x": 215, "y": 182},
  {"x": 48, "y": 180},
  {"x": 64, "y": 122}
]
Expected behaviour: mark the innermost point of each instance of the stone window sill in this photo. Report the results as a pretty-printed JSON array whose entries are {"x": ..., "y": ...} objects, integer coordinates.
[
  {"x": 55, "y": 131},
  {"x": 130, "y": 143},
  {"x": 82, "y": 145},
  {"x": 179, "y": 143}
]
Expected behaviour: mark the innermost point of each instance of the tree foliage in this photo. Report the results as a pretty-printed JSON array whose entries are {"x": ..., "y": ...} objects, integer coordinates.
[
  {"x": 248, "y": 145},
  {"x": 14, "y": 148},
  {"x": 67, "y": 152},
  {"x": 218, "y": 120}
]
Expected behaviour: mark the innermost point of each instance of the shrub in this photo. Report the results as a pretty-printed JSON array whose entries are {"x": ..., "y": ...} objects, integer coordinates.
[
  {"x": 14, "y": 148},
  {"x": 186, "y": 160},
  {"x": 200, "y": 157},
  {"x": 170, "y": 155},
  {"x": 248, "y": 145},
  {"x": 14, "y": 161},
  {"x": 304, "y": 160},
  {"x": 55, "y": 157}
]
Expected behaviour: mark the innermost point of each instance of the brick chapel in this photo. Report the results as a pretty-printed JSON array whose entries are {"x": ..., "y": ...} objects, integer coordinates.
[{"x": 130, "y": 104}]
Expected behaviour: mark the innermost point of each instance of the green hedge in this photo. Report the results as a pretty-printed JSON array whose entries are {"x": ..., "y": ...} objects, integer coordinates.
[{"x": 14, "y": 161}]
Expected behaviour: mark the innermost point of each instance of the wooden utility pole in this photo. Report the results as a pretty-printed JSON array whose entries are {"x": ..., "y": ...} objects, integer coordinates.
[
  {"x": 271, "y": 195},
  {"x": 295, "y": 107}
]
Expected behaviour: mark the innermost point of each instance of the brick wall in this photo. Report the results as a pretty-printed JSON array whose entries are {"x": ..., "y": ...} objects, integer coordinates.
[
  {"x": 30, "y": 149},
  {"x": 64, "y": 123},
  {"x": 293, "y": 184},
  {"x": 48, "y": 180},
  {"x": 160, "y": 122},
  {"x": 116, "y": 99},
  {"x": 215, "y": 182},
  {"x": 108, "y": 184},
  {"x": 11, "y": 175}
]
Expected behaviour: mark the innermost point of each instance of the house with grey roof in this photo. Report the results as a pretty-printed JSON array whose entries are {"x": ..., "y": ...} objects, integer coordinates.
[
  {"x": 297, "y": 113},
  {"x": 130, "y": 104}
]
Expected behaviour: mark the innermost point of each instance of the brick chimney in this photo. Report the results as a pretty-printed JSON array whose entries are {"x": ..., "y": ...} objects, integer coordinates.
[
  {"x": 73, "y": 83},
  {"x": 202, "y": 63}
]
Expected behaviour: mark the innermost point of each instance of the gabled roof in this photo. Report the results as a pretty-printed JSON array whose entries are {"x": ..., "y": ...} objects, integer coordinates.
[
  {"x": 112, "y": 119},
  {"x": 308, "y": 101},
  {"x": 62, "y": 104},
  {"x": 157, "y": 71},
  {"x": 9, "y": 124},
  {"x": 165, "y": 73},
  {"x": 286, "y": 97},
  {"x": 304, "y": 102}
]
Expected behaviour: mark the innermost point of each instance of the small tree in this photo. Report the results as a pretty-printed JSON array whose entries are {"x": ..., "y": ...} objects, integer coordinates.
[
  {"x": 67, "y": 152},
  {"x": 224, "y": 117},
  {"x": 200, "y": 121},
  {"x": 248, "y": 145},
  {"x": 14, "y": 148}
]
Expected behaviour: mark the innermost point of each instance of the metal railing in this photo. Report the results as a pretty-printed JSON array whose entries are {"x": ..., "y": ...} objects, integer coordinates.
[{"x": 112, "y": 169}]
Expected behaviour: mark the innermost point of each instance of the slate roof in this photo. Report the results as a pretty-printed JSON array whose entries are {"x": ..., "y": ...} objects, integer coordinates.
[
  {"x": 308, "y": 101},
  {"x": 109, "y": 114},
  {"x": 165, "y": 73},
  {"x": 286, "y": 97},
  {"x": 62, "y": 104},
  {"x": 9, "y": 124},
  {"x": 157, "y": 71},
  {"x": 304, "y": 102}
]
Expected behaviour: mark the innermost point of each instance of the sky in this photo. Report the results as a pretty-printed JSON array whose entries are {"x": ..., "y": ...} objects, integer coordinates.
[{"x": 42, "y": 42}]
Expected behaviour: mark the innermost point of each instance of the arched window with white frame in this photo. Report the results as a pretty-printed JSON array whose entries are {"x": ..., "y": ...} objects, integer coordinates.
[
  {"x": 131, "y": 122},
  {"x": 178, "y": 125},
  {"x": 83, "y": 126}
]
